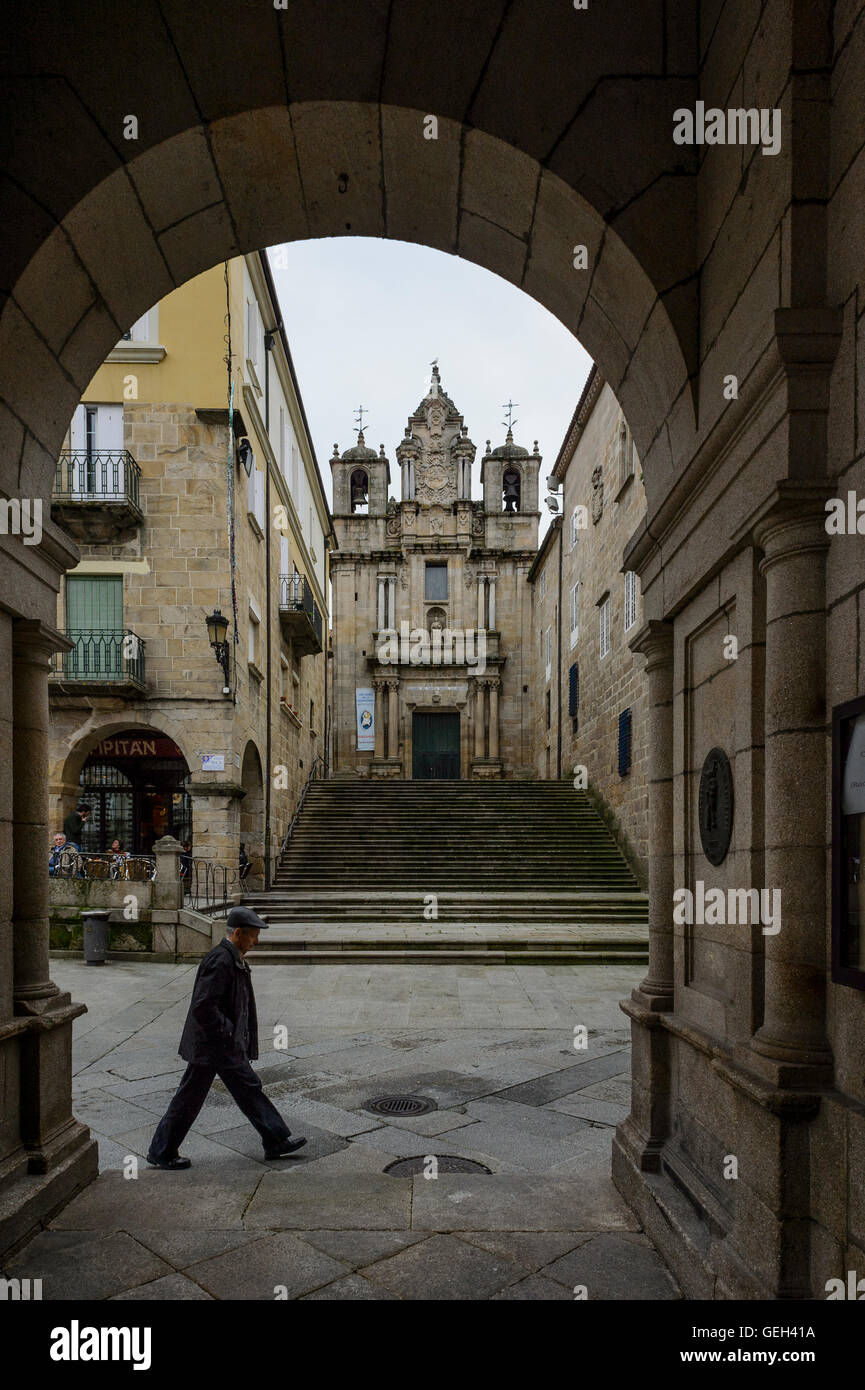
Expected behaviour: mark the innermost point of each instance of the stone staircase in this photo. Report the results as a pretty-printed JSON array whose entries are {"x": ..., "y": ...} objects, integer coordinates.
[{"x": 444, "y": 871}]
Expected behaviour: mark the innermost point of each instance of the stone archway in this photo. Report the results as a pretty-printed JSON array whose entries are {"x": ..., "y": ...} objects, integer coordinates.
[{"x": 718, "y": 291}]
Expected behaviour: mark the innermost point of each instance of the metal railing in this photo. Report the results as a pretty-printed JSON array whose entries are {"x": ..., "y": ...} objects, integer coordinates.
[
  {"x": 295, "y": 592},
  {"x": 317, "y": 770},
  {"x": 210, "y": 885},
  {"x": 109, "y": 475},
  {"x": 101, "y": 654},
  {"x": 72, "y": 863}
]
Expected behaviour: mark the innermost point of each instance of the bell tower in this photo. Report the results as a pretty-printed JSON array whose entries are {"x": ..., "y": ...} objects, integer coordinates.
[{"x": 360, "y": 480}]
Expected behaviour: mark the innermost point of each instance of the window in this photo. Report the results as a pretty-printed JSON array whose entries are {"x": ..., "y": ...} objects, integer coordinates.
[
  {"x": 145, "y": 329},
  {"x": 282, "y": 441},
  {"x": 284, "y": 679},
  {"x": 548, "y": 644},
  {"x": 255, "y": 496},
  {"x": 574, "y": 694},
  {"x": 630, "y": 599},
  {"x": 848, "y": 836},
  {"x": 312, "y": 714},
  {"x": 626, "y": 455},
  {"x": 575, "y": 526},
  {"x": 295, "y": 459},
  {"x": 436, "y": 582},
  {"x": 283, "y": 555},
  {"x": 254, "y": 637},
  {"x": 575, "y": 613},
  {"x": 548, "y": 709},
  {"x": 542, "y": 584},
  {"x": 624, "y": 743},
  {"x": 252, "y": 327},
  {"x": 605, "y": 627}
]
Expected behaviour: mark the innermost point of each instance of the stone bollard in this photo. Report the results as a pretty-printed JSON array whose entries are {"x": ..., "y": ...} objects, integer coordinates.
[{"x": 167, "y": 890}]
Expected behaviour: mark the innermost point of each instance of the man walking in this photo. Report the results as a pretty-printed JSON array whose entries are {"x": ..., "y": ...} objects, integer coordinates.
[{"x": 219, "y": 1038}]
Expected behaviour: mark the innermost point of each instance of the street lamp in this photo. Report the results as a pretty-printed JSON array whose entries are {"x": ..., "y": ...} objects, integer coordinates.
[{"x": 217, "y": 631}]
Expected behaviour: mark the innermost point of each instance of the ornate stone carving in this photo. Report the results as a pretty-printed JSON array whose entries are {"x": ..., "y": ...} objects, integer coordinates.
[
  {"x": 478, "y": 524},
  {"x": 597, "y": 493},
  {"x": 436, "y": 524}
]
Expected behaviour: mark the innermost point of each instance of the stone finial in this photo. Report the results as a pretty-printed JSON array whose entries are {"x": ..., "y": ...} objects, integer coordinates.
[
  {"x": 381, "y": 451},
  {"x": 488, "y": 446}
]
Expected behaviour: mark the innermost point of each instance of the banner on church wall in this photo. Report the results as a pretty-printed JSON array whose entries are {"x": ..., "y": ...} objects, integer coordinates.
[{"x": 364, "y": 698}]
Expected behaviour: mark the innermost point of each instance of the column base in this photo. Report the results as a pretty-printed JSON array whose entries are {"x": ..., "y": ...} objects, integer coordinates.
[
  {"x": 30, "y": 1199},
  {"x": 385, "y": 767},
  {"x": 485, "y": 769},
  {"x": 791, "y": 1066}
]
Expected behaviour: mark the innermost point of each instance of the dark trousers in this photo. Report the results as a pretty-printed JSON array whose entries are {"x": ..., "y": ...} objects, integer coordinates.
[{"x": 245, "y": 1090}]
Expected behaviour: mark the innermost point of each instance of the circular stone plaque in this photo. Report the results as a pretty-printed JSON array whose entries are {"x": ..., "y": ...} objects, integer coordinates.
[{"x": 716, "y": 805}]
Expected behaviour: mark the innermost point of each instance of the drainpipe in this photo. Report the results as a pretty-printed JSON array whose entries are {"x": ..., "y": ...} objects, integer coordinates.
[
  {"x": 559, "y": 664},
  {"x": 268, "y": 348}
]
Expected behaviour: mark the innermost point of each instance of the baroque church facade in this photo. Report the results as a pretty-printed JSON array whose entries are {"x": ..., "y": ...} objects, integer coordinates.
[{"x": 432, "y": 621}]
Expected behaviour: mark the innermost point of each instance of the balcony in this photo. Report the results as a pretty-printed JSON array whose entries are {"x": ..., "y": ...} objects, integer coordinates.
[
  {"x": 299, "y": 615},
  {"x": 102, "y": 661},
  {"x": 95, "y": 495}
]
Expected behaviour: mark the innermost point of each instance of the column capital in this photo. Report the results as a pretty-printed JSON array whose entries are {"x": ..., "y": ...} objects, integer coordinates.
[
  {"x": 655, "y": 641},
  {"x": 791, "y": 518},
  {"x": 32, "y": 638}
]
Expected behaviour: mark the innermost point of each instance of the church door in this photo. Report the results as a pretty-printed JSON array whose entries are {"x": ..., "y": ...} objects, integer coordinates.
[{"x": 435, "y": 746}]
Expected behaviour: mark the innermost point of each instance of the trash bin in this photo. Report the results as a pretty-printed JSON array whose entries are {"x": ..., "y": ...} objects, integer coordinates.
[{"x": 95, "y": 936}]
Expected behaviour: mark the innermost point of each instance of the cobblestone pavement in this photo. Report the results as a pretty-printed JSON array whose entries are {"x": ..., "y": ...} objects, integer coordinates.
[{"x": 492, "y": 1045}]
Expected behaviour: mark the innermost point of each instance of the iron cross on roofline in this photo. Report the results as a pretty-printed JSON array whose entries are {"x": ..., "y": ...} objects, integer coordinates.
[
  {"x": 358, "y": 417},
  {"x": 510, "y": 407}
]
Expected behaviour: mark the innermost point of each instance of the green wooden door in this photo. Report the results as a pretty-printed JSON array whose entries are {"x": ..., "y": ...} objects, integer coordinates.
[
  {"x": 436, "y": 746},
  {"x": 94, "y": 622}
]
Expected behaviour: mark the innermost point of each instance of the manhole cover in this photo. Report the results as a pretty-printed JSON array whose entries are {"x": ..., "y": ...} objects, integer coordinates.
[
  {"x": 400, "y": 1105},
  {"x": 447, "y": 1163}
]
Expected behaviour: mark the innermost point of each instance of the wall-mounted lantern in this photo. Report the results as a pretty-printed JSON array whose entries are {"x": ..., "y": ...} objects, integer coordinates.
[{"x": 217, "y": 631}]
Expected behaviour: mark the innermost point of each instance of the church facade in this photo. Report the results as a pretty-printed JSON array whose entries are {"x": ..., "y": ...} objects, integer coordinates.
[{"x": 432, "y": 627}]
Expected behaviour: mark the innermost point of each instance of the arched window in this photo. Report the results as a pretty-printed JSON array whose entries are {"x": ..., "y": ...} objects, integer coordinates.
[
  {"x": 511, "y": 489},
  {"x": 359, "y": 490}
]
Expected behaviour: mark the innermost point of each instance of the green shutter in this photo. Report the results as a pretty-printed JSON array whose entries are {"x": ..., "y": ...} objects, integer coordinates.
[{"x": 94, "y": 601}]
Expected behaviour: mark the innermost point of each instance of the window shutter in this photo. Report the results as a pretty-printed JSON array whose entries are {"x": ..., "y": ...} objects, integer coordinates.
[
  {"x": 574, "y": 691},
  {"x": 624, "y": 742}
]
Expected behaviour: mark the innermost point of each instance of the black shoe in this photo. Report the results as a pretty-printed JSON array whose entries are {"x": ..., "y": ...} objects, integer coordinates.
[
  {"x": 287, "y": 1149},
  {"x": 171, "y": 1163}
]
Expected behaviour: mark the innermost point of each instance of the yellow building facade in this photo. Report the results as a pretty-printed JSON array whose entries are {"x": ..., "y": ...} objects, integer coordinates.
[{"x": 193, "y": 492}]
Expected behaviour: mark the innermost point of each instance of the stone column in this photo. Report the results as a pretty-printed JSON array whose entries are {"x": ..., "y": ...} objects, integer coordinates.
[
  {"x": 792, "y": 536},
  {"x": 380, "y": 605},
  {"x": 491, "y": 621},
  {"x": 391, "y": 606},
  {"x": 494, "y": 716},
  {"x": 32, "y": 647},
  {"x": 479, "y": 719},
  {"x": 378, "y": 718},
  {"x": 481, "y": 582},
  {"x": 655, "y": 640},
  {"x": 392, "y": 719}
]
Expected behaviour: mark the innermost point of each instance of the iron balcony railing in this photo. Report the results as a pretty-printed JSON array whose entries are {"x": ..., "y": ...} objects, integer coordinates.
[
  {"x": 101, "y": 654},
  {"x": 107, "y": 475},
  {"x": 295, "y": 593}
]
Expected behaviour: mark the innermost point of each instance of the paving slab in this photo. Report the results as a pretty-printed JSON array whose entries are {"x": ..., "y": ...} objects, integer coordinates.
[
  {"x": 535, "y": 1289},
  {"x": 501, "y": 1202},
  {"x": 77, "y": 1265},
  {"x": 210, "y": 1156},
  {"x": 109, "y": 1115},
  {"x": 530, "y": 1249},
  {"x": 245, "y": 1140},
  {"x": 616, "y": 1266},
  {"x": 276, "y": 1266},
  {"x": 443, "y": 1267},
  {"x": 615, "y": 1091},
  {"x": 446, "y": 1088},
  {"x": 568, "y": 1080},
  {"x": 525, "y": 1119},
  {"x": 182, "y": 1248},
  {"x": 358, "y": 1248},
  {"x": 300, "y": 1201},
  {"x": 350, "y": 1288},
  {"x": 357, "y": 1157},
  {"x": 157, "y": 1198},
  {"x": 173, "y": 1287},
  {"x": 586, "y": 1108}
]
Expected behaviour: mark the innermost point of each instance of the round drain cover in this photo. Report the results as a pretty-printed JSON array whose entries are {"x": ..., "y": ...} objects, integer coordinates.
[
  {"x": 400, "y": 1105},
  {"x": 447, "y": 1163}
]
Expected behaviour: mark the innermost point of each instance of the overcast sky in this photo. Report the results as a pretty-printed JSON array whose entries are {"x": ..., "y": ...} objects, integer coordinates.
[{"x": 365, "y": 317}]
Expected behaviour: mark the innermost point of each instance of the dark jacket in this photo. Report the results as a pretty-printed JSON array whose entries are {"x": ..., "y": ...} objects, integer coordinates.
[
  {"x": 221, "y": 994},
  {"x": 72, "y": 828}
]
